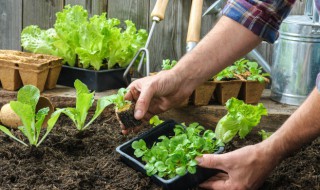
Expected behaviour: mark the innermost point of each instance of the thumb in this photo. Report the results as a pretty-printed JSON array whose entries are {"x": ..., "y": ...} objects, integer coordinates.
[{"x": 212, "y": 161}]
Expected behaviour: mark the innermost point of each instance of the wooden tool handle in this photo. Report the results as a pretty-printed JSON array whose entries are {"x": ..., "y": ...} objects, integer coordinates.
[
  {"x": 159, "y": 9},
  {"x": 194, "y": 26}
]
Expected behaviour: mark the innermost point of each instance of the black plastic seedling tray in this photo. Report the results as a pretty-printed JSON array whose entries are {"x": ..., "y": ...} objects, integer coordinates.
[
  {"x": 177, "y": 183},
  {"x": 95, "y": 80}
]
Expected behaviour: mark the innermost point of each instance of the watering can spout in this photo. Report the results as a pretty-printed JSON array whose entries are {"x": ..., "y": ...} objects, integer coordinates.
[{"x": 255, "y": 55}]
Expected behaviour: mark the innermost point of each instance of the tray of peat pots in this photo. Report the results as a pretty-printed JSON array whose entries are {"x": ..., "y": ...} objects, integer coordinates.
[
  {"x": 254, "y": 83},
  {"x": 203, "y": 93},
  {"x": 95, "y": 51},
  {"x": 21, "y": 68},
  {"x": 167, "y": 154}
]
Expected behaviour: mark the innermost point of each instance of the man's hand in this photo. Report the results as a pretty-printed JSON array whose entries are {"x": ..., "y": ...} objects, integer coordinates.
[
  {"x": 156, "y": 94},
  {"x": 245, "y": 168}
]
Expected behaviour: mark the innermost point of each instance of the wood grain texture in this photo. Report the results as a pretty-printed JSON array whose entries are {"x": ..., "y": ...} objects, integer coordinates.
[
  {"x": 94, "y": 7},
  {"x": 10, "y": 24},
  {"x": 135, "y": 10},
  {"x": 41, "y": 13},
  {"x": 169, "y": 38}
]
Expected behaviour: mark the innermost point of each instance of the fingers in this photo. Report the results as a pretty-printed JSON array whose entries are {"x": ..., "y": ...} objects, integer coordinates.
[
  {"x": 143, "y": 102},
  {"x": 212, "y": 161}
]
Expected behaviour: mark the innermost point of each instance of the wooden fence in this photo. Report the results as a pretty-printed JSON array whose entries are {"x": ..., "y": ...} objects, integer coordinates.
[{"x": 168, "y": 40}]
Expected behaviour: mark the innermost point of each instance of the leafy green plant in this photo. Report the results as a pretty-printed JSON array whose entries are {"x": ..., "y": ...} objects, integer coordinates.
[
  {"x": 168, "y": 64},
  {"x": 241, "y": 118},
  {"x": 25, "y": 107},
  {"x": 264, "y": 134},
  {"x": 175, "y": 155},
  {"x": 118, "y": 99},
  {"x": 98, "y": 42},
  {"x": 155, "y": 121},
  {"x": 84, "y": 101},
  {"x": 256, "y": 73}
]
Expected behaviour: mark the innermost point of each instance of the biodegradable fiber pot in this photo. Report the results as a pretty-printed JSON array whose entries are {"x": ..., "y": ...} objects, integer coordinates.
[
  {"x": 251, "y": 91},
  {"x": 202, "y": 95},
  {"x": 226, "y": 90},
  {"x": 10, "y": 119},
  {"x": 10, "y": 78},
  {"x": 95, "y": 80},
  {"x": 177, "y": 183}
]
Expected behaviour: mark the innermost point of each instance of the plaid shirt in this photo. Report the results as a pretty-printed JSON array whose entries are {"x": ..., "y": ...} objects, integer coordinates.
[{"x": 261, "y": 17}]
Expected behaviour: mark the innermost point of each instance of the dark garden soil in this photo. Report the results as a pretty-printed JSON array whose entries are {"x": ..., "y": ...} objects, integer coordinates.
[{"x": 71, "y": 160}]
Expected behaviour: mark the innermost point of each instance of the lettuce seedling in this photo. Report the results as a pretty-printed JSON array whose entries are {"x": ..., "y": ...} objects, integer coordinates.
[
  {"x": 241, "y": 118},
  {"x": 25, "y": 108},
  {"x": 84, "y": 102},
  {"x": 173, "y": 156},
  {"x": 155, "y": 121},
  {"x": 167, "y": 64},
  {"x": 124, "y": 108},
  {"x": 264, "y": 134},
  {"x": 256, "y": 72}
]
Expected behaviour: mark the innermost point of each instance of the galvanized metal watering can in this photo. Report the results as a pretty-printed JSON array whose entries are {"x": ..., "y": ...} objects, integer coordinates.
[{"x": 296, "y": 55}]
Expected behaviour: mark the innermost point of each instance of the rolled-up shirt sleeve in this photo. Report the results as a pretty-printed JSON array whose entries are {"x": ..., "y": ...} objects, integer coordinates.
[{"x": 263, "y": 18}]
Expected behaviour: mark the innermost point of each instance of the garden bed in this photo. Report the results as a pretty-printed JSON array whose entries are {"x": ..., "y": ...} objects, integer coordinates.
[{"x": 88, "y": 160}]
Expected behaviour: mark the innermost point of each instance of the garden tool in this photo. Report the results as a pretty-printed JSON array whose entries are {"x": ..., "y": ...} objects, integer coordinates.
[
  {"x": 157, "y": 15},
  {"x": 194, "y": 27}
]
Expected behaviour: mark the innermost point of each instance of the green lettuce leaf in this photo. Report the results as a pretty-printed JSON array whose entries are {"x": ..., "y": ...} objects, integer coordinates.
[{"x": 241, "y": 118}]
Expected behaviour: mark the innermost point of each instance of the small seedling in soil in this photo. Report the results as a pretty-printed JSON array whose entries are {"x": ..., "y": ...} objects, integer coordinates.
[
  {"x": 155, "y": 121},
  {"x": 175, "y": 155},
  {"x": 25, "y": 107},
  {"x": 124, "y": 108},
  {"x": 264, "y": 134},
  {"x": 84, "y": 102},
  {"x": 168, "y": 64}
]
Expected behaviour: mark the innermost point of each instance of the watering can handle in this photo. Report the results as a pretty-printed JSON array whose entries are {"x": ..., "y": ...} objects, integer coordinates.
[
  {"x": 159, "y": 9},
  {"x": 195, "y": 21}
]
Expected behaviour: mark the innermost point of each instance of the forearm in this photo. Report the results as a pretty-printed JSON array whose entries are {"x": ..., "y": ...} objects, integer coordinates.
[
  {"x": 302, "y": 127},
  {"x": 224, "y": 44}
]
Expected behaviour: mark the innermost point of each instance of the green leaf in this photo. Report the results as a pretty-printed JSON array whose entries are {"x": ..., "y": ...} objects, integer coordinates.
[
  {"x": 7, "y": 132},
  {"x": 27, "y": 116},
  {"x": 51, "y": 123},
  {"x": 29, "y": 95},
  {"x": 155, "y": 121},
  {"x": 80, "y": 87},
  {"x": 40, "y": 117},
  {"x": 181, "y": 170},
  {"x": 192, "y": 169},
  {"x": 36, "y": 40},
  {"x": 101, "y": 105},
  {"x": 83, "y": 104},
  {"x": 141, "y": 144}
]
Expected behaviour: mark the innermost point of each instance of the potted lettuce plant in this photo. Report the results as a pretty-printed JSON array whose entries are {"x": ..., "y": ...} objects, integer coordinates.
[
  {"x": 228, "y": 85},
  {"x": 255, "y": 82},
  {"x": 94, "y": 50}
]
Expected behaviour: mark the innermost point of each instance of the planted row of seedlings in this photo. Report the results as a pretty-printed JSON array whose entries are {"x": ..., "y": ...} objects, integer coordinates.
[
  {"x": 20, "y": 68},
  {"x": 25, "y": 111},
  {"x": 244, "y": 80}
]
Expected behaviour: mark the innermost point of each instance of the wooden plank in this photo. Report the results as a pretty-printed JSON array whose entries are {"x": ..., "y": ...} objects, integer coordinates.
[
  {"x": 41, "y": 13},
  {"x": 10, "y": 24},
  {"x": 135, "y": 10},
  {"x": 169, "y": 38},
  {"x": 95, "y": 7}
]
